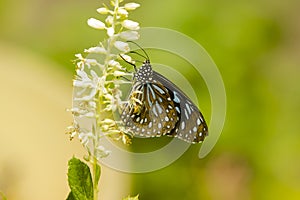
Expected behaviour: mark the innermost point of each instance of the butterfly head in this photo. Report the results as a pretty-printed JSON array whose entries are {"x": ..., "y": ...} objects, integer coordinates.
[{"x": 144, "y": 74}]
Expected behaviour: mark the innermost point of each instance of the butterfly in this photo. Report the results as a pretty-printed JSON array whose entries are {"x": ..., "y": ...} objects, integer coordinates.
[{"x": 156, "y": 107}]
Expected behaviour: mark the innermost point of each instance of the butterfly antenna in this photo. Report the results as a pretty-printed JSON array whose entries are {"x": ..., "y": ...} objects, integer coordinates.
[
  {"x": 141, "y": 49},
  {"x": 128, "y": 62},
  {"x": 138, "y": 54}
]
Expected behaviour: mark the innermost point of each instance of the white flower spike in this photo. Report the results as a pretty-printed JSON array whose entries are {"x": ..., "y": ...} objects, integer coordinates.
[
  {"x": 97, "y": 85},
  {"x": 97, "y": 94}
]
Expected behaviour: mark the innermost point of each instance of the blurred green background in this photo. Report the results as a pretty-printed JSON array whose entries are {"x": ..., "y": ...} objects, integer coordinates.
[{"x": 255, "y": 44}]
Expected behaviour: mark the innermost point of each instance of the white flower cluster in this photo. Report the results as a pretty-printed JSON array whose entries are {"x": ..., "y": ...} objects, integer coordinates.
[{"x": 97, "y": 93}]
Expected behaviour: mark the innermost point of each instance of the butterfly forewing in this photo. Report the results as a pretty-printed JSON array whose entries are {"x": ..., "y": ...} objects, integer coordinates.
[{"x": 191, "y": 127}]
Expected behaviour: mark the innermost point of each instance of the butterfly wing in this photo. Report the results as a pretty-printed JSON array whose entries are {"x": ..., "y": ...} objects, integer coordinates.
[
  {"x": 149, "y": 112},
  {"x": 191, "y": 126}
]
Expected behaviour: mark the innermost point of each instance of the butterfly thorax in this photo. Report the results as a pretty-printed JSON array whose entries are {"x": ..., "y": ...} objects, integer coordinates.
[{"x": 144, "y": 74}]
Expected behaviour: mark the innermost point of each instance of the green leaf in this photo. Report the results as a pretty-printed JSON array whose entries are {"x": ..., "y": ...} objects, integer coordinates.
[
  {"x": 98, "y": 172},
  {"x": 3, "y": 196},
  {"x": 70, "y": 196},
  {"x": 80, "y": 180},
  {"x": 132, "y": 198}
]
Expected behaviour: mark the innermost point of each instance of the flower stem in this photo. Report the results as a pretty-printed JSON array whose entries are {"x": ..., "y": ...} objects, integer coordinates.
[{"x": 95, "y": 179}]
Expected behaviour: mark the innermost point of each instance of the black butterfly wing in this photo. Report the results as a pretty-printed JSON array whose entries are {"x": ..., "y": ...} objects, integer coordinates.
[
  {"x": 191, "y": 126},
  {"x": 149, "y": 112}
]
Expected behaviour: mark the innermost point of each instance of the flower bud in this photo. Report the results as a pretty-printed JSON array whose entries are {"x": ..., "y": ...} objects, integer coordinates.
[
  {"x": 102, "y": 11},
  {"x": 113, "y": 63},
  {"x": 127, "y": 58},
  {"x": 131, "y": 6},
  {"x": 110, "y": 31},
  {"x": 129, "y": 24},
  {"x": 122, "y": 11},
  {"x": 95, "y": 23},
  {"x": 122, "y": 46},
  {"x": 119, "y": 73},
  {"x": 109, "y": 19},
  {"x": 129, "y": 35},
  {"x": 100, "y": 50}
]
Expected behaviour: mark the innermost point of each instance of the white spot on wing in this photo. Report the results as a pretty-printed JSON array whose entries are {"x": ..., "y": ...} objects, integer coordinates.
[
  {"x": 188, "y": 108},
  {"x": 154, "y": 111},
  {"x": 159, "y": 125},
  {"x": 158, "y": 108},
  {"x": 186, "y": 114},
  {"x": 176, "y": 99},
  {"x": 182, "y": 125},
  {"x": 159, "y": 89},
  {"x": 151, "y": 90}
]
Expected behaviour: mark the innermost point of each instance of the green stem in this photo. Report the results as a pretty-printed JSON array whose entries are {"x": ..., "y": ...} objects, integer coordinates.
[{"x": 95, "y": 181}]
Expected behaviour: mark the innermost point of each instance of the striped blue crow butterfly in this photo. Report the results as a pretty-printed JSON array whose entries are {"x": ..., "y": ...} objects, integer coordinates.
[{"x": 157, "y": 107}]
